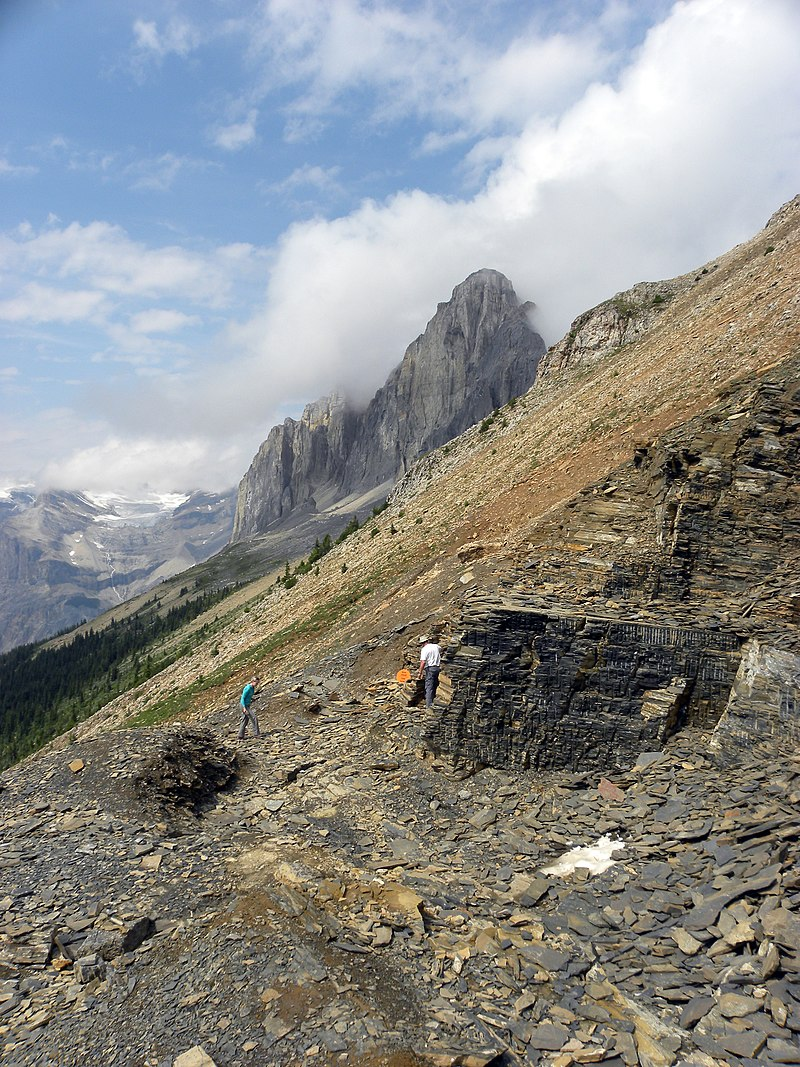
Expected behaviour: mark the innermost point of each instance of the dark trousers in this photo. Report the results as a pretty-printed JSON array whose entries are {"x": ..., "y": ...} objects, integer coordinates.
[{"x": 431, "y": 684}]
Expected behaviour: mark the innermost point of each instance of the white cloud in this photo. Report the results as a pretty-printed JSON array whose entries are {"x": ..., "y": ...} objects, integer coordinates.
[
  {"x": 685, "y": 155},
  {"x": 161, "y": 320},
  {"x": 140, "y": 464},
  {"x": 179, "y": 37},
  {"x": 160, "y": 173},
  {"x": 589, "y": 173},
  {"x": 236, "y": 135},
  {"x": 307, "y": 186},
  {"x": 39, "y": 303},
  {"x": 438, "y": 63},
  {"x": 16, "y": 170},
  {"x": 104, "y": 256}
]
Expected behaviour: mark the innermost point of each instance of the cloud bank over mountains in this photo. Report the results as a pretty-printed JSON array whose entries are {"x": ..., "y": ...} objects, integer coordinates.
[{"x": 576, "y": 152}]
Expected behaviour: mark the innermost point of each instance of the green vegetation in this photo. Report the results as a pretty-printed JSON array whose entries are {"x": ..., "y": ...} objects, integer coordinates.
[
  {"x": 351, "y": 528},
  {"x": 488, "y": 422},
  {"x": 318, "y": 621},
  {"x": 47, "y": 688},
  {"x": 321, "y": 548},
  {"x": 626, "y": 309}
]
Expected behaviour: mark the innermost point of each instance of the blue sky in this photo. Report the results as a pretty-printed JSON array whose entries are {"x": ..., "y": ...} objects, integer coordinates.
[{"x": 212, "y": 213}]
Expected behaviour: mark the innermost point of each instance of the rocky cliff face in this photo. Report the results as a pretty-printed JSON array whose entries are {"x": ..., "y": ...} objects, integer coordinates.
[
  {"x": 621, "y": 320},
  {"x": 673, "y": 595},
  {"x": 65, "y": 558},
  {"x": 477, "y": 352}
]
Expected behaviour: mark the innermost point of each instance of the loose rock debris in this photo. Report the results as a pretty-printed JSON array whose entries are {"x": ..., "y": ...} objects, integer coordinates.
[{"x": 370, "y": 909}]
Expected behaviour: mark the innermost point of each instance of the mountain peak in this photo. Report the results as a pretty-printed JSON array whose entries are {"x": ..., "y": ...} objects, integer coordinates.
[{"x": 476, "y": 353}]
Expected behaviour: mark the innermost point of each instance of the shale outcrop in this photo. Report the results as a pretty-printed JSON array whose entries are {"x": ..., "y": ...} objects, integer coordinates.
[
  {"x": 477, "y": 352},
  {"x": 636, "y": 611}
]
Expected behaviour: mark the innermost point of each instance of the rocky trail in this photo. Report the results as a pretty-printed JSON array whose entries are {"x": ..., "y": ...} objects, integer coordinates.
[{"x": 332, "y": 893}]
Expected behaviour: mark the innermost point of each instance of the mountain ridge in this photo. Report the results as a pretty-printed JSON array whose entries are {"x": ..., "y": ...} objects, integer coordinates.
[
  {"x": 65, "y": 557},
  {"x": 477, "y": 351}
]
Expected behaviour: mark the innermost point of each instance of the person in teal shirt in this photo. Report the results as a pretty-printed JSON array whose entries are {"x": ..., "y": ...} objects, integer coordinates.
[{"x": 248, "y": 712}]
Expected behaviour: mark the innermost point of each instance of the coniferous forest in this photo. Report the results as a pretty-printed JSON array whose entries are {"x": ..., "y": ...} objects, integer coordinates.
[{"x": 48, "y": 687}]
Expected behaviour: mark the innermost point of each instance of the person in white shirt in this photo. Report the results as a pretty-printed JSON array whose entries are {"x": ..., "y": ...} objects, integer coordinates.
[{"x": 430, "y": 660}]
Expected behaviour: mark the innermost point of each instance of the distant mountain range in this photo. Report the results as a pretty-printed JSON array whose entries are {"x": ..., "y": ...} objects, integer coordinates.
[{"x": 66, "y": 557}]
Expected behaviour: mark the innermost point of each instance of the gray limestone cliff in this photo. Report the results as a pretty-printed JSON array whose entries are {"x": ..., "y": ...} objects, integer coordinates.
[{"x": 477, "y": 352}]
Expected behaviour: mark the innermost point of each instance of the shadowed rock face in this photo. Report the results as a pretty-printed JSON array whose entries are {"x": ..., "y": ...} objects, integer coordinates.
[
  {"x": 477, "y": 352},
  {"x": 678, "y": 568}
]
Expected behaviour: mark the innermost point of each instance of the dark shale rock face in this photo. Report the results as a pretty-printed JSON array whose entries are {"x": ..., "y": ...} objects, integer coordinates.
[
  {"x": 660, "y": 598},
  {"x": 477, "y": 352},
  {"x": 555, "y": 691}
]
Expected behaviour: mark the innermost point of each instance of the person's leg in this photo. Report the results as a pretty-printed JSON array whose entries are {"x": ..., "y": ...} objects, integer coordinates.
[
  {"x": 430, "y": 684},
  {"x": 243, "y": 724},
  {"x": 251, "y": 711}
]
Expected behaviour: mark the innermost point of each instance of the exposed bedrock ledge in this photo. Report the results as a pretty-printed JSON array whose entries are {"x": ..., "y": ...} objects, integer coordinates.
[
  {"x": 764, "y": 703},
  {"x": 537, "y": 688}
]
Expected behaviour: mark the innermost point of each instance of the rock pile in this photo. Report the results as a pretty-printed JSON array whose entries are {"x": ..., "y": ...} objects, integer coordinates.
[{"x": 348, "y": 900}]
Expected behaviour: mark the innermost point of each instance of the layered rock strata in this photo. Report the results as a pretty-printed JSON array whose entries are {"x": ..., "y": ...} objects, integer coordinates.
[
  {"x": 477, "y": 352},
  {"x": 546, "y": 689},
  {"x": 631, "y": 616}
]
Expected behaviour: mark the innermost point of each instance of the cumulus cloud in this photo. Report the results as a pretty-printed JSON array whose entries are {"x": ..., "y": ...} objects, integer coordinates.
[
  {"x": 686, "y": 152},
  {"x": 40, "y": 303},
  {"x": 443, "y": 64},
  {"x": 236, "y": 135},
  {"x": 139, "y": 463},
  {"x": 103, "y": 255}
]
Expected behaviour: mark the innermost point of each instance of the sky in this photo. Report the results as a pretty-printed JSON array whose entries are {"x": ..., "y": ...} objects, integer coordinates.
[{"x": 213, "y": 213}]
